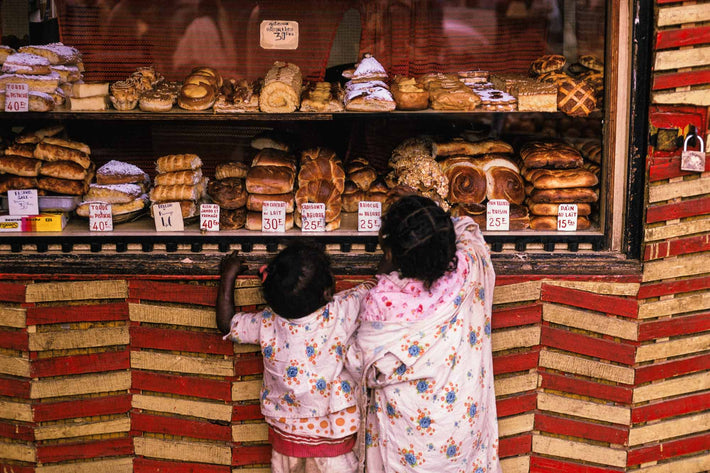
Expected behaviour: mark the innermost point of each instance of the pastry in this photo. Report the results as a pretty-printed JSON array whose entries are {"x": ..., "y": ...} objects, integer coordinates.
[
  {"x": 325, "y": 168},
  {"x": 175, "y": 178},
  {"x": 369, "y": 69},
  {"x": 211, "y": 72},
  {"x": 547, "y": 63},
  {"x": 119, "y": 172},
  {"x": 560, "y": 178},
  {"x": 135, "y": 205},
  {"x": 321, "y": 192},
  {"x": 271, "y": 139},
  {"x": 274, "y": 157},
  {"x": 536, "y": 97},
  {"x": 361, "y": 173},
  {"x": 34, "y": 137},
  {"x": 59, "y": 97},
  {"x": 583, "y": 209},
  {"x": 238, "y": 96},
  {"x": 467, "y": 181},
  {"x": 5, "y": 51},
  {"x": 24, "y": 63},
  {"x": 196, "y": 96},
  {"x": 37, "y": 101},
  {"x": 408, "y": 94},
  {"x": 228, "y": 193},
  {"x": 177, "y": 162},
  {"x": 26, "y": 150},
  {"x": 89, "y": 104},
  {"x": 19, "y": 165},
  {"x": 576, "y": 97},
  {"x": 563, "y": 196},
  {"x": 422, "y": 174},
  {"x": 36, "y": 83},
  {"x": 53, "y": 140},
  {"x": 62, "y": 186},
  {"x": 281, "y": 92},
  {"x": 49, "y": 152},
  {"x": 113, "y": 193},
  {"x": 537, "y": 154},
  {"x": 462, "y": 147},
  {"x": 503, "y": 183},
  {"x": 324, "y": 97},
  {"x": 550, "y": 223},
  {"x": 255, "y": 202},
  {"x": 231, "y": 169},
  {"x": 270, "y": 180},
  {"x": 497, "y": 100},
  {"x": 12, "y": 182},
  {"x": 368, "y": 97},
  {"x": 63, "y": 170},
  {"x": 67, "y": 73},
  {"x": 591, "y": 62},
  {"x": 56, "y": 53},
  {"x": 452, "y": 95},
  {"x": 508, "y": 82},
  {"x": 553, "y": 77},
  {"x": 90, "y": 89},
  {"x": 175, "y": 193},
  {"x": 155, "y": 101},
  {"x": 414, "y": 147},
  {"x": 232, "y": 219},
  {"x": 352, "y": 195}
]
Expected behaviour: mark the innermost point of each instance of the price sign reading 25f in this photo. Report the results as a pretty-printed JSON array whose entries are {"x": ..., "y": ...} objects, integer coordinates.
[
  {"x": 498, "y": 215},
  {"x": 369, "y": 216}
]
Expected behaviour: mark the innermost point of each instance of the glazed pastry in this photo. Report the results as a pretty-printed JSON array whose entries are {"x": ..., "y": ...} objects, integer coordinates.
[{"x": 324, "y": 97}]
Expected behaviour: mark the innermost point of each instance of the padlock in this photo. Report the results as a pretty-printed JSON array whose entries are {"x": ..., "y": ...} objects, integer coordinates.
[{"x": 693, "y": 160}]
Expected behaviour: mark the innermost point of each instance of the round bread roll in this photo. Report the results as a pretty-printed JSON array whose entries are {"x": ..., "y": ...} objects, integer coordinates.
[
  {"x": 361, "y": 173},
  {"x": 255, "y": 202},
  {"x": 502, "y": 183},
  {"x": 228, "y": 193},
  {"x": 254, "y": 221},
  {"x": 270, "y": 180},
  {"x": 155, "y": 101},
  {"x": 231, "y": 169},
  {"x": 352, "y": 196},
  {"x": 321, "y": 192},
  {"x": 467, "y": 181},
  {"x": 232, "y": 219},
  {"x": 196, "y": 96}
]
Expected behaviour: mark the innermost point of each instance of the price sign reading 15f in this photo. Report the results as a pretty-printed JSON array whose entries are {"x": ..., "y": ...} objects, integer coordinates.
[{"x": 567, "y": 218}]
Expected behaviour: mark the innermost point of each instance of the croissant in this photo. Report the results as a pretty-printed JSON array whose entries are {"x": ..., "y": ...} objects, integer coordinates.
[
  {"x": 467, "y": 181},
  {"x": 321, "y": 192},
  {"x": 322, "y": 169},
  {"x": 282, "y": 89}
]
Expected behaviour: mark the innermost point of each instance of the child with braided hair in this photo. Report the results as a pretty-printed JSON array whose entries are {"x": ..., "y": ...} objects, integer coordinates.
[{"x": 422, "y": 352}]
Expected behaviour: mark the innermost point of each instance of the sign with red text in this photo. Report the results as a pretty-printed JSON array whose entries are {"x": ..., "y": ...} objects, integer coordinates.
[
  {"x": 17, "y": 98},
  {"x": 209, "y": 217},
  {"x": 100, "y": 218},
  {"x": 273, "y": 216},
  {"x": 369, "y": 216},
  {"x": 567, "y": 218},
  {"x": 498, "y": 215},
  {"x": 312, "y": 217}
]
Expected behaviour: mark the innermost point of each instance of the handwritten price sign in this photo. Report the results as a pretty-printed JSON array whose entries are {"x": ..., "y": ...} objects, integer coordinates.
[
  {"x": 168, "y": 217},
  {"x": 209, "y": 217},
  {"x": 369, "y": 216},
  {"x": 498, "y": 215},
  {"x": 100, "y": 218},
  {"x": 567, "y": 218},
  {"x": 278, "y": 34},
  {"x": 23, "y": 202},
  {"x": 273, "y": 216},
  {"x": 17, "y": 98},
  {"x": 313, "y": 217}
]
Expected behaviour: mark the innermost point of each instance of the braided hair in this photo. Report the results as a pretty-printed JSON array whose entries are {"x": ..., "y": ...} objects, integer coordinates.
[
  {"x": 421, "y": 237},
  {"x": 298, "y": 281}
]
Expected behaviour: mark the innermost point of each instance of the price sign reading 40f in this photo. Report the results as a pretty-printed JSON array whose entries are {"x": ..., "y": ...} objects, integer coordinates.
[
  {"x": 567, "y": 218},
  {"x": 369, "y": 216},
  {"x": 498, "y": 215},
  {"x": 313, "y": 217},
  {"x": 273, "y": 216},
  {"x": 209, "y": 217},
  {"x": 17, "y": 98},
  {"x": 100, "y": 219},
  {"x": 168, "y": 217}
]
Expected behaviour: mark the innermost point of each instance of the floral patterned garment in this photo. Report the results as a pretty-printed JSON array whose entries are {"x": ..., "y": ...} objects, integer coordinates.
[
  {"x": 431, "y": 406},
  {"x": 306, "y": 391}
]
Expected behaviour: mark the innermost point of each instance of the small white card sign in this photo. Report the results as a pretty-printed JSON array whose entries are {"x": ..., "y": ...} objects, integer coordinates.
[
  {"x": 23, "y": 202},
  {"x": 369, "y": 216},
  {"x": 17, "y": 98},
  {"x": 312, "y": 217},
  {"x": 168, "y": 217},
  {"x": 278, "y": 34},
  {"x": 498, "y": 215},
  {"x": 100, "y": 218},
  {"x": 209, "y": 217},
  {"x": 273, "y": 216},
  {"x": 567, "y": 218}
]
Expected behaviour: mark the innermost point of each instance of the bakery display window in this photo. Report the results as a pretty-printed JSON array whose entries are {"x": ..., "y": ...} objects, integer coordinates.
[{"x": 471, "y": 103}]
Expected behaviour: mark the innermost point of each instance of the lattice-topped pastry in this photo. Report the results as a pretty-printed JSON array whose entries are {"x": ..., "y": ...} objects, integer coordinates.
[
  {"x": 591, "y": 62},
  {"x": 547, "y": 63},
  {"x": 576, "y": 98}
]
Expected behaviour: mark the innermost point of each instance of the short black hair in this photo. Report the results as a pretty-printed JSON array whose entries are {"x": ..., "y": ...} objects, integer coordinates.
[
  {"x": 298, "y": 280},
  {"x": 421, "y": 237}
]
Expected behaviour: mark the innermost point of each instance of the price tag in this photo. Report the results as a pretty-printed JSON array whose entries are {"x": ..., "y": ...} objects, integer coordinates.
[
  {"x": 17, "y": 98},
  {"x": 567, "y": 218},
  {"x": 498, "y": 215},
  {"x": 23, "y": 202},
  {"x": 168, "y": 217},
  {"x": 100, "y": 218},
  {"x": 209, "y": 217},
  {"x": 313, "y": 217},
  {"x": 369, "y": 216},
  {"x": 278, "y": 34},
  {"x": 273, "y": 216}
]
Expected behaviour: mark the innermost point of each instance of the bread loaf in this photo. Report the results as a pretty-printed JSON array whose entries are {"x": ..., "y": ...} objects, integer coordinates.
[
  {"x": 352, "y": 196},
  {"x": 12, "y": 182},
  {"x": 564, "y": 196},
  {"x": 52, "y": 140},
  {"x": 361, "y": 173},
  {"x": 26, "y": 150},
  {"x": 49, "y": 152},
  {"x": 62, "y": 186},
  {"x": 255, "y": 202},
  {"x": 538, "y": 154},
  {"x": 175, "y": 193},
  {"x": 231, "y": 169},
  {"x": 232, "y": 219},
  {"x": 467, "y": 181},
  {"x": 19, "y": 165},
  {"x": 282, "y": 89},
  {"x": 63, "y": 170},
  {"x": 274, "y": 157},
  {"x": 560, "y": 178},
  {"x": 175, "y": 178},
  {"x": 270, "y": 180},
  {"x": 178, "y": 162},
  {"x": 467, "y": 148},
  {"x": 228, "y": 193},
  {"x": 503, "y": 183}
]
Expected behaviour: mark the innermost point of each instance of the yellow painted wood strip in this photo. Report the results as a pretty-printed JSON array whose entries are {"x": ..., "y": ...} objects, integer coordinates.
[
  {"x": 82, "y": 429},
  {"x": 676, "y": 347},
  {"x": 674, "y": 190},
  {"x": 23, "y": 452},
  {"x": 185, "y": 407},
  {"x": 246, "y": 390},
  {"x": 19, "y": 411},
  {"x": 15, "y": 366},
  {"x": 677, "y": 305},
  {"x": 248, "y": 296},
  {"x": 246, "y": 348},
  {"x": 524, "y": 291},
  {"x": 578, "y": 451},
  {"x": 669, "y": 429},
  {"x": 516, "y": 338},
  {"x": 697, "y": 464},
  {"x": 589, "y": 320},
  {"x": 516, "y": 384},
  {"x": 76, "y": 291},
  {"x": 515, "y": 464},
  {"x": 665, "y": 232},
  {"x": 199, "y": 452},
  {"x": 516, "y": 424},
  {"x": 672, "y": 387},
  {"x": 263, "y": 469},
  {"x": 69, "y": 339},
  {"x": 112, "y": 465},
  {"x": 677, "y": 15},
  {"x": 598, "y": 287},
  {"x": 84, "y": 384},
  {"x": 13, "y": 317},
  {"x": 174, "y": 363},
  {"x": 170, "y": 315},
  {"x": 583, "y": 409},
  {"x": 675, "y": 267},
  {"x": 250, "y": 432},
  {"x": 698, "y": 97},
  {"x": 586, "y": 367}
]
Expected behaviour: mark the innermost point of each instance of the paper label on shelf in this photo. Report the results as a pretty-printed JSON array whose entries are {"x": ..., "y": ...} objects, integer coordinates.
[
  {"x": 369, "y": 216},
  {"x": 209, "y": 217},
  {"x": 17, "y": 98},
  {"x": 273, "y": 216},
  {"x": 313, "y": 217},
  {"x": 23, "y": 202},
  {"x": 498, "y": 215},
  {"x": 278, "y": 34},
  {"x": 168, "y": 217},
  {"x": 100, "y": 218},
  {"x": 567, "y": 218}
]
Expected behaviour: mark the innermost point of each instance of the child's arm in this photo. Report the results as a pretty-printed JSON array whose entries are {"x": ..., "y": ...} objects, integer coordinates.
[{"x": 230, "y": 269}]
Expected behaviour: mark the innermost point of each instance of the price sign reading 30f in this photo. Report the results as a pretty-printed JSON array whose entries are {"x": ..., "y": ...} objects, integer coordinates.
[{"x": 273, "y": 216}]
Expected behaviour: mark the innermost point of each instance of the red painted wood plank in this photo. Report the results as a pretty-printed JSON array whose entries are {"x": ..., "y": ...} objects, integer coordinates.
[
  {"x": 682, "y": 246},
  {"x": 172, "y": 292},
  {"x": 550, "y": 465},
  {"x": 180, "y": 427},
  {"x": 671, "y": 408},
  {"x": 680, "y": 79},
  {"x": 664, "y": 168},
  {"x": 248, "y": 364},
  {"x": 577, "y": 428},
  {"x": 17, "y": 431},
  {"x": 182, "y": 384},
  {"x": 684, "y": 325},
  {"x": 251, "y": 454},
  {"x": 513, "y": 446},
  {"x": 346, "y": 282},
  {"x": 77, "y": 313},
  {"x": 526, "y": 402},
  {"x": 85, "y": 450},
  {"x": 78, "y": 364},
  {"x": 686, "y": 208},
  {"x": 15, "y": 468},
  {"x": 586, "y": 345},
  {"x": 674, "y": 287},
  {"x": 15, "y": 340},
  {"x": 682, "y": 37},
  {"x": 13, "y": 387},
  {"x": 583, "y": 387},
  {"x": 663, "y": 451},
  {"x": 148, "y": 465},
  {"x": 625, "y": 307},
  {"x": 670, "y": 369},
  {"x": 49, "y": 411},
  {"x": 12, "y": 292},
  {"x": 180, "y": 340},
  {"x": 246, "y": 412},
  {"x": 515, "y": 362},
  {"x": 517, "y": 316}
]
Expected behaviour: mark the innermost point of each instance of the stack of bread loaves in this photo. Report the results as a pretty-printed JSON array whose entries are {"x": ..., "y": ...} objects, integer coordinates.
[
  {"x": 229, "y": 192},
  {"x": 271, "y": 177},
  {"x": 555, "y": 175},
  {"x": 19, "y": 168},
  {"x": 66, "y": 166},
  {"x": 179, "y": 179},
  {"x": 120, "y": 184},
  {"x": 321, "y": 180}
]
